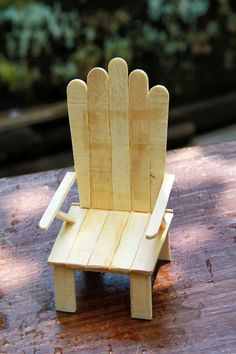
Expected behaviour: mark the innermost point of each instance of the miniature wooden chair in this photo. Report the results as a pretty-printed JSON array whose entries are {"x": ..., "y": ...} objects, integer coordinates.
[{"x": 119, "y": 133}]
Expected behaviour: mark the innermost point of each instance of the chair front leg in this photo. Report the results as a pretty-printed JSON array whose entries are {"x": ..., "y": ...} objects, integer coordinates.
[
  {"x": 64, "y": 287},
  {"x": 141, "y": 296}
]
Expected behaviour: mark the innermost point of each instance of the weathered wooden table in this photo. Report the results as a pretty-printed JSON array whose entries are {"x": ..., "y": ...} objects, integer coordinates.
[{"x": 194, "y": 297}]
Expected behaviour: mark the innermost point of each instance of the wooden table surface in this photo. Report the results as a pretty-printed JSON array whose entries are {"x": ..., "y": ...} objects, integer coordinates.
[{"x": 194, "y": 296}]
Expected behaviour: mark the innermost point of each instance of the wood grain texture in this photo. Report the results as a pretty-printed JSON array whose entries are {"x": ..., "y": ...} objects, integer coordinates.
[
  {"x": 112, "y": 241},
  {"x": 129, "y": 242},
  {"x": 108, "y": 241},
  {"x": 141, "y": 296},
  {"x": 139, "y": 140},
  {"x": 119, "y": 123},
  {"x": 86, "y": 239},
  {"x": 158, "y": 106},
  {"x": 149, "y": 250},
  {"x": 193, "y": 296},
  {"x": 67, "y": 236},
  {"x": 99, "y": 139},
  {"x": 160, "y": 206},
  {"x": 78, "y": 118},
  {"x": 64, "y": 289}
]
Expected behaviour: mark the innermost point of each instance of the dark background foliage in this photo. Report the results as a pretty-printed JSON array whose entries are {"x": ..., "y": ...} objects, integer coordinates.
[{"x": 189, "y": 46}]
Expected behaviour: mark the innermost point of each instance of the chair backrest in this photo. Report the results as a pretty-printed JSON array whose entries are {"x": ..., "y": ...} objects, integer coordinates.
[{"x": 119, "y": 132}]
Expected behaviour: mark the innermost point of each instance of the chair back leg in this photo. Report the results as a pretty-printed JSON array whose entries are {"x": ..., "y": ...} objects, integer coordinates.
[{"x": 165, "y": 254}]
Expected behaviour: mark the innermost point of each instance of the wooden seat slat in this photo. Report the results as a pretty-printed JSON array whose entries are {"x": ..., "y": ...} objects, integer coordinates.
[
  {"x": 108, "y": 240},
  {"x": 129, "y": 242},
  {"x": 86, "y": 238},
  {"x": 67, "y": 236}
]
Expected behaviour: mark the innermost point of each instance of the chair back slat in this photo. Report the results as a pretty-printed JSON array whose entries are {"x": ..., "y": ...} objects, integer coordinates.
[
  {"x": 119, "y": 134},
  {"x": 99, "y": 139},
  {"x": 119, "y": 125},
  {"x": 78, "y": 117},
  {"x": 139, "y": 141},
  {"x": 158, "y": 103}
]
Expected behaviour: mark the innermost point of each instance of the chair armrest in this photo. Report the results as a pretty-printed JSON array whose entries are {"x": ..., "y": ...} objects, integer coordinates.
[
  {"x": 53, "y": 209},
  {"x": 160, "y": 206}
]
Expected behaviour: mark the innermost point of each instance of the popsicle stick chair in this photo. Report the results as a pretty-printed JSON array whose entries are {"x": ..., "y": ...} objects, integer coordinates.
[{"x": 119, "y": 131}]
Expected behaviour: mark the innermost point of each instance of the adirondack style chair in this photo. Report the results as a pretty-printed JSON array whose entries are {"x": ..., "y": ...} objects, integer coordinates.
[{"x": 119, "y": 132}]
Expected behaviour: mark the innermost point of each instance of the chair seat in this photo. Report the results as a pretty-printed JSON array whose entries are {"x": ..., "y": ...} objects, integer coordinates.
[{"x": 107, "y": 240}]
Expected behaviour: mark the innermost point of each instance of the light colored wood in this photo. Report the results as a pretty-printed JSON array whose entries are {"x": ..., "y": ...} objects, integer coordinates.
[
  {"x": 65, "y": 217},
  {"x": 108, "y": 240},
  {"x": 139, "y": 135},
  {"x": 149, "y": 250},
  {"x": 165, "y": 254},
  {"x": 78, "y": 118},
  {"x": 119, "y": 132},
  {"x": 67, "y": 236},
  {"x": 158, "y": 105},
  {"x": 86, "y": 238},
  {"x": 105, "y": 236},
  {"x": 99, "y": 140},
  {"x": 119, "y": 123},
  {"x": 64, "y": 289},
  {"x": 57, "y": 200},
  {"x": 129, "y": 242},
  {"x": 141, "y": 296},
  {"x": 160, "y": 206}
]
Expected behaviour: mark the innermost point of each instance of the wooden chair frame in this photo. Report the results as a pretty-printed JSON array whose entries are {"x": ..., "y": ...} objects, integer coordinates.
[{"x": 119, "y": 133}]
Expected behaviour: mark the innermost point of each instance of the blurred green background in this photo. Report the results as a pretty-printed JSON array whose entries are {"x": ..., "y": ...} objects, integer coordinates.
[
  {"x": 187, "y": 45},
  {"x": 183, "y": 44}
]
